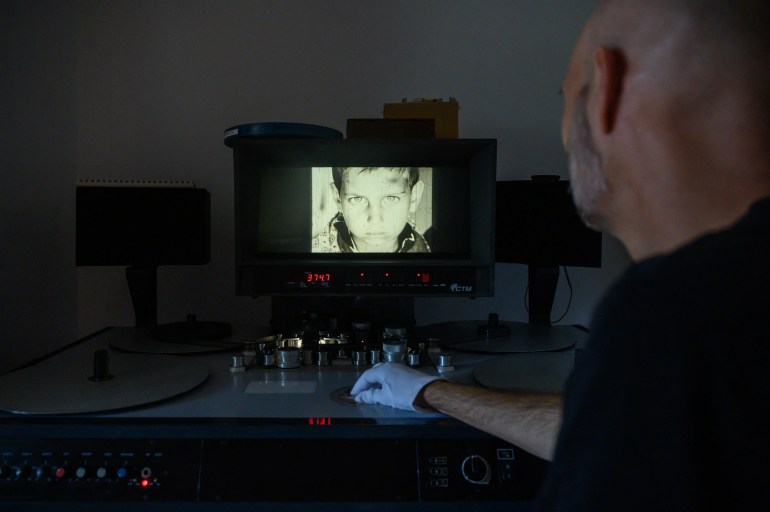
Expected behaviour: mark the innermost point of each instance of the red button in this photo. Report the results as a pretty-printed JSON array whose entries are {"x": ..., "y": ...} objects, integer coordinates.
[{"x": 60, "y": 472}]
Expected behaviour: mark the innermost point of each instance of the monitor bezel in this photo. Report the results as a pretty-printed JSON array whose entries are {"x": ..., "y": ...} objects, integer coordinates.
[{"x": 477, "y": 155}]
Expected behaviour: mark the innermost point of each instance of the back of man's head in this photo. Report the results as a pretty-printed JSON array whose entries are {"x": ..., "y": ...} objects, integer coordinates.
[{"x": 729, "y": 37}]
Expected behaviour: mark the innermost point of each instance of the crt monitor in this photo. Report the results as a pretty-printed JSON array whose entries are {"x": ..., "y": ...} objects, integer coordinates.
[{"x": 364, "y": 217}]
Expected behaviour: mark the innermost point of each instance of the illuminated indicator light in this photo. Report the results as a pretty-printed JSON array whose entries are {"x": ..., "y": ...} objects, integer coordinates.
[
  {"x": 145, "y": 482},
  {"x": 319, "y": 421},
  {"x": 425, "y": 277}
]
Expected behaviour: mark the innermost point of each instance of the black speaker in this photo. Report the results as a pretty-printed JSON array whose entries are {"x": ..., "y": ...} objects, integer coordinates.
[
  {"x": 148, "y": 226},
  {"x": 537, "y": 224},
  {"x": 142, "y": 227}
]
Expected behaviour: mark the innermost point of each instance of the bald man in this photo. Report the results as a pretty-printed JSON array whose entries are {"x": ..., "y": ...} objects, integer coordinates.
[{"x": 667, "y": 127}]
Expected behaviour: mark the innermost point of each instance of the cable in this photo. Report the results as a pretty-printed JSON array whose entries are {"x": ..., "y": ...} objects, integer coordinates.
[
  {"x": 569, "y": 300},
  {"x": 526, "y": 298}
]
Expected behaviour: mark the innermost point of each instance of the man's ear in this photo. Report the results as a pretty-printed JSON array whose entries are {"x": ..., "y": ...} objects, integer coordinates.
[
  {"x": 610, "y": 71},
  {"x": 414, "y": 200}
]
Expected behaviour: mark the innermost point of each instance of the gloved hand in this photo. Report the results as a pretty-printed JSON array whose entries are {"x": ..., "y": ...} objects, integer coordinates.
[{"x": 391, "y": 384}]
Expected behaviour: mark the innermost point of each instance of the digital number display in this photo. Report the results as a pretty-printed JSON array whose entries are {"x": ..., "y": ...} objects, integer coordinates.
[{"x": 311, "y": 277}]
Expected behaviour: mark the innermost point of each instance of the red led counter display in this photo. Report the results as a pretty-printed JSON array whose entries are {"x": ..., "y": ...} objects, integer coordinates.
[{"x": 311, "y": 277}]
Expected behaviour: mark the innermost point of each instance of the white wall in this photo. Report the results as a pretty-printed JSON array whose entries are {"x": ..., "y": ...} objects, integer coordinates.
[{"x": 155, "y": 83}]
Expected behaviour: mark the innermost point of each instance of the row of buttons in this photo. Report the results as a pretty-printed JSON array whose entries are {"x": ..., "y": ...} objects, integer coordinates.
[
  {"x": 47, "y": 472},
  {"x": 439, "y": 472}
]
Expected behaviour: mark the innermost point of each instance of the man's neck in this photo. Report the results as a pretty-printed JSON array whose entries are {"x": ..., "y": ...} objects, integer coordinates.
[{"x": 668, "y": 229}]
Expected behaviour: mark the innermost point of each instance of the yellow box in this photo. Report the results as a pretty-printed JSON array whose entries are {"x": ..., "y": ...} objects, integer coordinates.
[{"x": 443, "y": 112}]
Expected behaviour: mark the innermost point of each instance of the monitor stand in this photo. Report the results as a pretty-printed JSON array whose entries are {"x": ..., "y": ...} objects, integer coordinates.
[
  {"x": 541, "y": 291},
  {"x": 143, "y": 287},
  {"x": 187, "y": 337}
]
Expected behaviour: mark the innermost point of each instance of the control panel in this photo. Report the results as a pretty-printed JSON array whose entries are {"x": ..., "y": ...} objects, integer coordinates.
[
  {"x": 98, "y": 470},
  {"x": 287, "y": 470},
  {"x": 431, "y": 280},
  {"x": 478, "y": 470}
]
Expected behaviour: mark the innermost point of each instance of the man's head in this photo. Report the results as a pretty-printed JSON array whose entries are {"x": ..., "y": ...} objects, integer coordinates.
[
  {"x": 665, "y": 118},
  {"x": 376, "y": 203}
]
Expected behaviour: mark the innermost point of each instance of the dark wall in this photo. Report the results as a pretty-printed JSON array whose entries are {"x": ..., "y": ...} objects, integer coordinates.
[{"x": 145, "y": 89}]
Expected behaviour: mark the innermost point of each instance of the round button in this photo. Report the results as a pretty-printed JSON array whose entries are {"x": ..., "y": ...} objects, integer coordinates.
[
  {"x": 60, "y": 472},
  {"x": 80, "y": 472},
  {"x": 101, "y": 472},
  {"x": 476, "y": 470},
  {"x": 121, "y": 472}
]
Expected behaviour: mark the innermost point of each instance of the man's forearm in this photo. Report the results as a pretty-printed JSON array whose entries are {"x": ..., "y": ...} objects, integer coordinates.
[{"x": 528, "y": 420}]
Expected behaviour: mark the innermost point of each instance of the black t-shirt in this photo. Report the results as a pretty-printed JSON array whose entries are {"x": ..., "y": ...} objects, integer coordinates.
[{"x": 668, "y": 406}]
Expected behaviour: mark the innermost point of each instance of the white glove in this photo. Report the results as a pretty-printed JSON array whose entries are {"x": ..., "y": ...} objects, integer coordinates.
[{"x": 391, "y": 384}]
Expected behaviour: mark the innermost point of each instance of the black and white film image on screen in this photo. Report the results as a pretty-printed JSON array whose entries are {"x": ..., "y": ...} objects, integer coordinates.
[{"x": 371, "y": 209}]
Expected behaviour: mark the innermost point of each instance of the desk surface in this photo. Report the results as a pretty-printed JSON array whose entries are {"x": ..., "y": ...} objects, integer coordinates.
[{"x": 201, "y": 385}]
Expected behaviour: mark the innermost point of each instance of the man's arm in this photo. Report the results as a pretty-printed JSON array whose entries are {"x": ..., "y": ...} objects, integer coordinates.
[{"x": 528, "y": 420}]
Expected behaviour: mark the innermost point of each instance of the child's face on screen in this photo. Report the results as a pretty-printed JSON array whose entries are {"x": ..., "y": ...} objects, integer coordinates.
[{"x": 376, "y": 204}]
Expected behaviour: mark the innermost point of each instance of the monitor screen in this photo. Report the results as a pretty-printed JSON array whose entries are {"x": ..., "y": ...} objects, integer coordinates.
[{"x": 364, "y": 216}]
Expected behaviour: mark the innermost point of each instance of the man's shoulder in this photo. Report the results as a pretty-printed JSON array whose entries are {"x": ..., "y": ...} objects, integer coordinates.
[
  {"x": 714, "y": 288},
  {"x": 727, "y": 258}
]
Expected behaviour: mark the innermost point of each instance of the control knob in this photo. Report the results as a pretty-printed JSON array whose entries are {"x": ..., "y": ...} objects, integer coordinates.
[
  {"x": 359, "y": 356},
  {"x": 237, "y": 364},
  {"x": 23, "y": 472},
  {"x": 476, "y": 470},
  {"x": 445, "y": 363},
  {"x": 394, "y": 350},
  {"x": 287, "y": 357}
]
